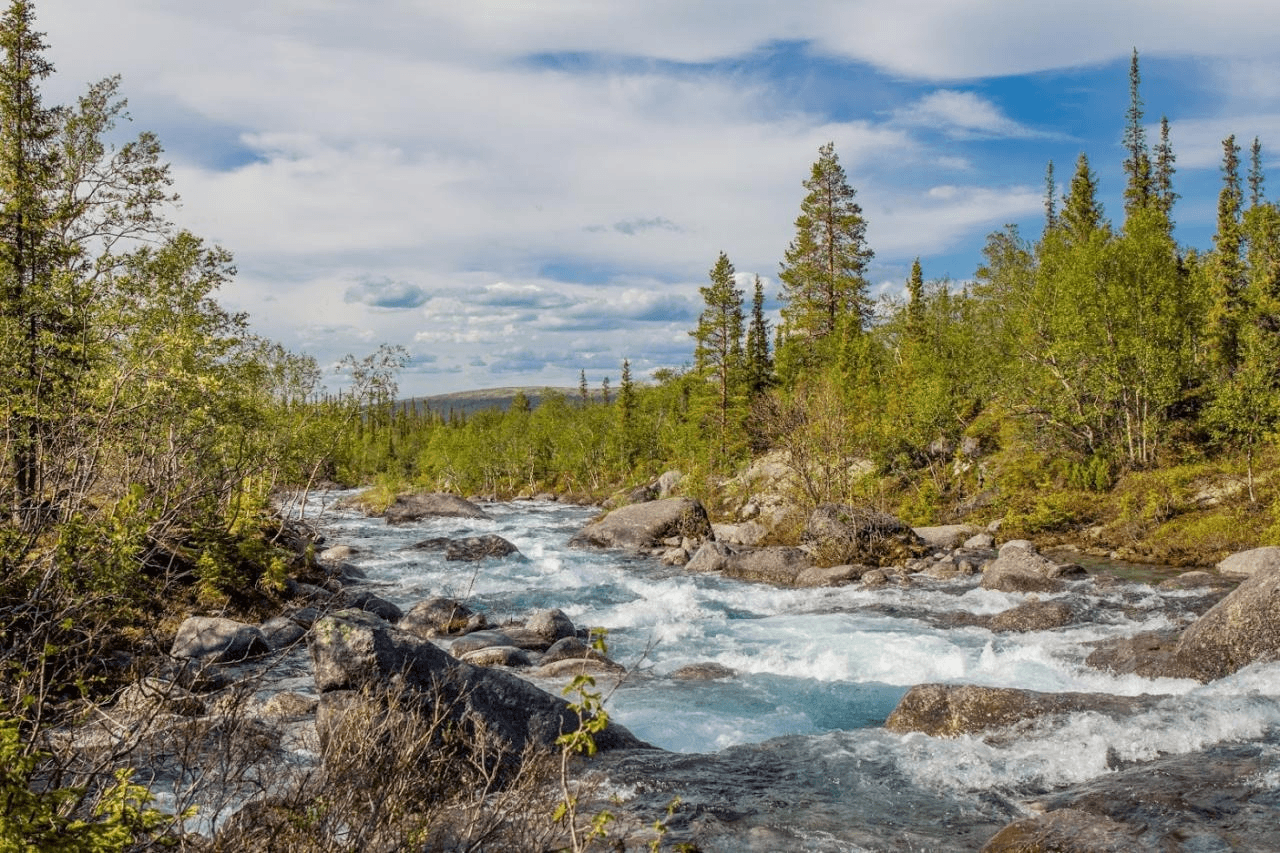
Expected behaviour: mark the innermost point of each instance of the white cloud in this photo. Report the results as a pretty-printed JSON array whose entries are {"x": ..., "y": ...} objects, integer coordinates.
[{"x": 961, "y": 115}]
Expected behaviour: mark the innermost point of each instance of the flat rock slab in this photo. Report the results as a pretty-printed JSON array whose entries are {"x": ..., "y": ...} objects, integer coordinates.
[
  {"x": 945, "y": 536},
  {"x": 949, "y": 710},
  {"x": 468, "y": 549},
  {"x": 408, "y": 508},
  {"x": 640, "y": 527},
  {"x": 1251, "y": 562}
]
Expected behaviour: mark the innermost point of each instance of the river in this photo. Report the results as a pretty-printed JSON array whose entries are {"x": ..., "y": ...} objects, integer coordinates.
[{"x": 794, "y": 739}]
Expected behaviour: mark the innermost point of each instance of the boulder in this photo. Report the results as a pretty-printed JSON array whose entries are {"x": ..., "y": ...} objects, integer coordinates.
[
  {"x": 352, "y": 650},
  {"x": 668, "y": 483},
  {"x": 779, "y": 565},
  {"x": 570, "y": 648},
  {"x": 337, "y": 554},
  {"x": 946, "y": 535},
  {"x": 578, "y": 666},
  {"x": 470, "y": 548},
  {"x": 1250, "y": 563},
  {"x": 289, "y": 704},
  {"x": 367, "y": 601},
  {"x": 551, "y": 625},
  {"x": 979, "y": 542},
  {"x": 408, "y": 508},
  {"x": 477, "y": 640},
  {"x": 949, "y": 710},
  {"x": 875, "y": 578},
  {"x": 436, "y": 617},
  {"x": 833, "y": 576},
  {"x": 709, "y": 671},
  {"x": 711, "y": 557},
  {"x": 1149, "y": 654},
  {"x": 1034, "y": 616},
  {"x": 639, "y": 527},
  {"x": 152, "y": 696},
  {"x": 747, "y": 533},
  {"x": 1020, "y": 568},
  {"x": 839, "y": 534},
  {"x": 1241, "y": 629},
  {"x": 217, "y": 640},
  {"x": 281, "y": 632}
]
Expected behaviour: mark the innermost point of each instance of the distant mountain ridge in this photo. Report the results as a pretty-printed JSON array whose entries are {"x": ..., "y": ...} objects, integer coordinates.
[{"x": 470, "y": 402}]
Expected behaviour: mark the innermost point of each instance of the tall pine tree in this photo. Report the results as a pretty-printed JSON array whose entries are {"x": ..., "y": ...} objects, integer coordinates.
[
  {"x": 718, "y": 355},
  {"x": 1137, "y": 166},
  {"x": 1226, "y": 269},
  {"x": 759, "y": 361}
]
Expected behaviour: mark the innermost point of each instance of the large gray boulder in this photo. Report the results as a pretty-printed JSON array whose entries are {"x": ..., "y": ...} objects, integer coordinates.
[
  {"x": 779, "y": 565},
  {"x": 435, "y": 617},
  {"x": 949, "y": 710},
  {"x": 212, "y": 639},
  {"x": 945, "y": 536},
  {"x": 1251, "y": 562},
  {"x": 1241, "y": 629},
  {"x": 1034, "y": 616},
  {"x": 837, "y": 535},
  {"x": 355, "y": 651},
  {"x": 407, "y": 508},
  {"x": 640, "y": 527}
]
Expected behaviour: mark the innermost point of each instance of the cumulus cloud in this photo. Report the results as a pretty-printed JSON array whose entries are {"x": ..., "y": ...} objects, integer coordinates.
[
  {"x": 962, "y": 115},
  {"x": 385, "y": 293}
]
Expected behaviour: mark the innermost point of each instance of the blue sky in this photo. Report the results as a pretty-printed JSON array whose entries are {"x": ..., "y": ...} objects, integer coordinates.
[{"x": 516, "y": 191}]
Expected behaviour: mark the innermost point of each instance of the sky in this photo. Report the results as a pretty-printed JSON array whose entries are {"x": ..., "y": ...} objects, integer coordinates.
[{"x": 518, "y": 191}]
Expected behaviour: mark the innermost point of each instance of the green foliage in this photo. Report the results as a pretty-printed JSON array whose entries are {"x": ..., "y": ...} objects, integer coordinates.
[{"x": 36, "y": 819}]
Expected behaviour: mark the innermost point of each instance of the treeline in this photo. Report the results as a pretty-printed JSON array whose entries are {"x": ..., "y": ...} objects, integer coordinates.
[{"x": 1076, "y": 356}]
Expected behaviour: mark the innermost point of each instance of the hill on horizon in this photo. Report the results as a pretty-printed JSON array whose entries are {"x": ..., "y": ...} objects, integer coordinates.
[{"x": 469, "y": 402}]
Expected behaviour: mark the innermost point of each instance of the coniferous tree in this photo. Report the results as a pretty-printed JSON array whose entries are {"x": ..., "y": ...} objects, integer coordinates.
[
  {"x": 626, "y": 417},
  {"x": 823, "y": 271},
  {"x": 718, "y": 354},
  {"x": 1226, "y": 269},
  {"x": 1081, "y": 211},
  {"x": 915, "y": 302},
  {"x": 1050, "y": 199},
  {"x": 584, "y": 396},
  {"x": 1164, "y": 169},
  {"x": 1137, "y": 166},
  {"x": 1256, "y": 179},
  {"x": 604, "y": 391},
  {"x": 759, "y": 361}
]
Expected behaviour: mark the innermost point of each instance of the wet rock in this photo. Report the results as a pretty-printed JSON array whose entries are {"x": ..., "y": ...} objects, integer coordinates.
[
  {"x": 1064, "y": 831},
  {"x": 711, "y": 557},
  {"x": 948, "y": 710},
  {"x": 1252, "y": 562},
  {"x": 468, "y": 549},
  {"x": 839, "y": 534},
  {"x": 1241, "y": 629},
  {"x": 370, "y": 603},
  {"x": 674, "y": 557},
  {"x": 218, "y": 640},
  {"x": 352, "y": 650},
  {"x": 551, "y": 625},
  {"x": 1200, "y": 801},
  {"x": 498, "y": 656},
  {"x": 570, "y": 648},
  {"x": 639, "y": 527},
  {"x": 875, "y": 578},
  {"x": 708, "y": 671},
  {"x": 946, "y": 535},
  {"x": 747, "y": 533},
  {"x": 578, "y": 666},
  {"x": 1149, "y": 654},
  {"x": 1195, "y": 580},
  {"x": 436, "y": 617},
  {"x": 408, "y": 508},
  {"x": 833, "y": 576},
  {"x": 337, "y": 554},
  {"x": 477, "y": 640},
  {"x": 1034, "y": 616},
  {"x": 305, "y": 616}
]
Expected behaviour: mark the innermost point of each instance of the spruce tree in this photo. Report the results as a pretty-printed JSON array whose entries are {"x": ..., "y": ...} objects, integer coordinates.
[
  {"x": 915, "y": 303},
  {"x": 1050, "y": 199},
  {"x": 759, "y": 361},
  {"x": 1165, "y": 196},
  {"x": 823, "y": 271},
  {"x": 584, "y": 396},
  {"x": 1081, "y": 211},
  {"x": 1256, "y": 179},
  {"x": 626, "y": 417},
  {"x": 1137, "y": 166},
  {"x": 1226, "y": 269}
]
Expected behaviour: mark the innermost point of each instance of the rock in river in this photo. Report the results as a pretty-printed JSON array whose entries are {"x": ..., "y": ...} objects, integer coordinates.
[{"x": 639, "y": 527}]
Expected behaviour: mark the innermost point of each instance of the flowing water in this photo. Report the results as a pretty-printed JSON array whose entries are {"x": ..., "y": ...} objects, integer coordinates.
[{"x": 793, "y": 741}]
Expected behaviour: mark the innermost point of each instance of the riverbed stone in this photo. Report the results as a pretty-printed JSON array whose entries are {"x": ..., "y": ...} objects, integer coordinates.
[
  {"x": 217, "y": 640},
  {"x": 1241, "y": 629},
  {"x": 814, "y": 576},
  {"x": 779, "y": 565},
  {"x": 1064, "y": 831},
  {"x": 979, "y": 542},
  {"x": 352, "y": 650},
  {"x": 415, "y": 507},
  {"x": 438, "y": 616},
  {"x": 371, "y": 603},
  {"x": 477, "y": 640},
  {"x": 468, "y": 548},
  {"x": 498, "y": 656},
  {"x": 708, "y": 671},
  {"x": 1034, "y": 616},
  {"x": 1020, "y": 568},
  {"x": 639, "y": 527},
  {"x": 551, "y": 625},
  {"x": 1149, "y": 654},
  {"x": 1251, "y": 562},
  {"x": 945, "y": 536},
  {"x": 949, "y": 710},
  {"x": 281, "y": 632}
]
